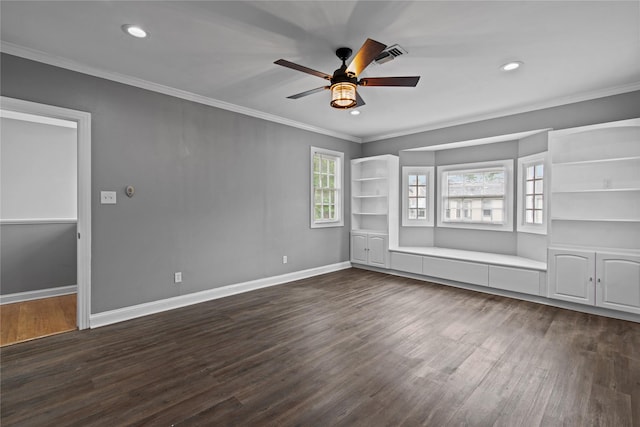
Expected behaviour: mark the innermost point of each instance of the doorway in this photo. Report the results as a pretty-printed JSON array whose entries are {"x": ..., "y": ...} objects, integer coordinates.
[{"x": 82, "y": 234}]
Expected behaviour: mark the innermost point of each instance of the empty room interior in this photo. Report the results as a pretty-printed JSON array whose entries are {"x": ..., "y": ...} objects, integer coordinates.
[{"x": 319, "y": 213}]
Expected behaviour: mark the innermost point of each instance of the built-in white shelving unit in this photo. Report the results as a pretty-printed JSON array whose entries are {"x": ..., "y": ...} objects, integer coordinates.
[
  {"x": 594, "y": 257},
  {"x": 595, "y": 185},
  {"x": 374, "y": 208}
]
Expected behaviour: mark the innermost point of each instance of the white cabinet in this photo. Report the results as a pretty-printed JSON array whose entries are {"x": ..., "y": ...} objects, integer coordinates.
[
  {"x": 370, "y": 249},
  {"x": 618, "y": 281},
  {"x": 516, "y": 280},
  {"x": 571, "y": 275},
  {"x": 460, "y": 271},
  {"x": 604, "y": 279},
  {"x": 374, "y": 209}
]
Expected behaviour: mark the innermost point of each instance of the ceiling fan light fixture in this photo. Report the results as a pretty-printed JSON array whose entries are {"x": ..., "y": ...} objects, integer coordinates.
[{"x": 343, "y": 95}]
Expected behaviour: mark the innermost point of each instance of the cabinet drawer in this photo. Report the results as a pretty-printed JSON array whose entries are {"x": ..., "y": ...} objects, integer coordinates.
[
  {"x": 515, "y": 279},
  {"x": 460, "y": 271},
  {"x": 406, "y": 262}
]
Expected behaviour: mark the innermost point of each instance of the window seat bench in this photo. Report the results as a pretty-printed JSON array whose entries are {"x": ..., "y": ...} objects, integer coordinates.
[{"x": 506, "y": 272}]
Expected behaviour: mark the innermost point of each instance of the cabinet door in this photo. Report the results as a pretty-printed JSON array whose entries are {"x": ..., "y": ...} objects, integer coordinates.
[
  {"x": 359, "y": 248},
  {"x": 378, "y": 250},
  {"x": 618, "y": 281},
  {"x": 571, "y": 275}
]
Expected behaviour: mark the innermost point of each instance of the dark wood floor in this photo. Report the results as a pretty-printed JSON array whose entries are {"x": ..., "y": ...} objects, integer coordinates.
[{"x": 348, "y": 348}]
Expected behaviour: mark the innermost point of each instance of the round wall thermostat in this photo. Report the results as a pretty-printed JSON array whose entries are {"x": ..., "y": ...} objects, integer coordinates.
[{"x": 130, "y": 190}]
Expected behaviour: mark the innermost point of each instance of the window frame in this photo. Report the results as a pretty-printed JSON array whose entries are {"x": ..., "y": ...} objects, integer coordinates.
[
  {"x": 523, "y": 163},
  {"x": 430, "y": 190},
  {"x": 338, "y": 186},
  {"x": 507, "y": 165}
]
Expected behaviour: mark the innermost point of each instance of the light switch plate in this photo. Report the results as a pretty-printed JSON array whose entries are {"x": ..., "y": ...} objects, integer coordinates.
[{"x": 108, "y": 197}]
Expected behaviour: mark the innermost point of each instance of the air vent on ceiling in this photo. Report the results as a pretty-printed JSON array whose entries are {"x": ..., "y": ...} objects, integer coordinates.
[{"x": 389, "y": 54}]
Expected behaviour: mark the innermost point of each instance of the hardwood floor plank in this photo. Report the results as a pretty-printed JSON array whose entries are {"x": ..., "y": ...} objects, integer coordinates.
[
  {"x": 352, "y": 348},
  {"x": 23, "y": 321}
]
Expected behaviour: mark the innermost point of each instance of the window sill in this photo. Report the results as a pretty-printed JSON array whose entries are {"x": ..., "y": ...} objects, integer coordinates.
[{"x": 471, "y": 226}]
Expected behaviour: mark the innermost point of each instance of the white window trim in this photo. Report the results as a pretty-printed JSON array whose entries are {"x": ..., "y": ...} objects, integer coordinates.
[
  {"x": 508, "y": 196},
  {"x": 418, "y": 170},
  {"x": 523, "y": 162},
  {"x": 339, "y": 222}
]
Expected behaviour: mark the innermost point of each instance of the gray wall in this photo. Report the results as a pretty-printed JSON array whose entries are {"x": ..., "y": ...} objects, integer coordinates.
[
  {"x": 37, "y": 256},
  {"x": 219, "y": 196}
]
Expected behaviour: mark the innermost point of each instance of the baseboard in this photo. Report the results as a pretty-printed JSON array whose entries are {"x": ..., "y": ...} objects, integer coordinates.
[
  {"x": 39, "y": 294},
  {"x": 127, "y": 313}
]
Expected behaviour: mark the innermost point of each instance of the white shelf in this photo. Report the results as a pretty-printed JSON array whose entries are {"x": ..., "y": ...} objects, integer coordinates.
[
  {"x": 370, "y": 213},
  {"x": 586, "y": 162},
  {"x": 373, "y": 196},
  {"x": 375, "y": 178},
  {"x": 597, "y": 190},
  {"x": 593, "y": 219}
]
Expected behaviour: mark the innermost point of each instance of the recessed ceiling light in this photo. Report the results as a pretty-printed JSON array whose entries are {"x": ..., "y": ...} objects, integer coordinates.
[
  {"x": 511, "y": 66},
  {"x": 134, "y": 30},
  {"x": 355, "y": 112}
]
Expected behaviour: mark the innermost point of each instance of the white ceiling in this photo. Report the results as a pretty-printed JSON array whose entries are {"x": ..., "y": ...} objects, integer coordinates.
[{"x": 222, "y": 53}]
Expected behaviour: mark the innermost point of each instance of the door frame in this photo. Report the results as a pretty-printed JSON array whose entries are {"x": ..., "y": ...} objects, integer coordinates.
[{"x": 83, "y": 120}]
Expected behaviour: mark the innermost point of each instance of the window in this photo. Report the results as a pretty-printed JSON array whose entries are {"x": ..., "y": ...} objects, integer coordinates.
[
  {"x": 326, "y": 188},
  {"x": 477, "y": 195},
  {"x": 417, "y": 196},
  {"x": 532, "y": 206}
]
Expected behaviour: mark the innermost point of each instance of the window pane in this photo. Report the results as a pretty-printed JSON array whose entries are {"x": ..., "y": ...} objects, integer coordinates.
[
  {"x": 538, "y": 202},
  {"x": 422, "y": 213},
  {"x": 538, "y": 187},
  {"x": 422, "y": 179},
  {"x": 530, "y": 172},
  {"x": 317, "y": 196},
  {"x": 413, "y": 179},
  {"x": 537, "y": 217},
  {"x": 318, "y": 212},
  {"x": 528, "y": 202},
  {"x": 332, "y": 167},
  {"x": 413, "y": 214},
  {"x": 412, "y": 191},
  {"x": 316, "y": 163},
  {"x": 332, "y": 181},
  {"x": 422, "y": 191},
  {"x": 539, "y": 171},
  {"x": 528, "y": 216},
  {"x": 422, "y": 203},
  {"x": 413, "y": 202},
  {"x": 529, "y": 187}
]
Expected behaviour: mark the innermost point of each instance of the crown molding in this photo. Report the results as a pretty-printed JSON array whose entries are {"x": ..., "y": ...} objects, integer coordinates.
[
  {"x": 39, "y": 56},
  {"x": 556, "y": 102}
]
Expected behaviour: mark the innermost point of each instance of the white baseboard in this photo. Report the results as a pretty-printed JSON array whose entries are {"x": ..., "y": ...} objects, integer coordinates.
[
  {"x": 39, "y": 294},
  {"x": 127, "y": 313}
]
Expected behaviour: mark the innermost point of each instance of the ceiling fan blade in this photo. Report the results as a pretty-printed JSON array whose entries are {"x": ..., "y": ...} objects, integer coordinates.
[
  {"x": 308, "y": 92},
  {"x": 367, "y": 53},
  {"x": 389, "y": 81},
  {"x": 359, "y": 101},
  {"x": 302, "y": 68}
]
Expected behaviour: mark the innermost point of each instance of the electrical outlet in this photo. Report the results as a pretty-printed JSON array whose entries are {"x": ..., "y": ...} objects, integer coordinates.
[
  {"x": 177, "y": 277},
  {"x": 284, "y": 259},
  {"x": 108, "y": 197}
]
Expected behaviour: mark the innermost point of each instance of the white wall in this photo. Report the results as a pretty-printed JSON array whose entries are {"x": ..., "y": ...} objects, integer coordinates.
[{"x": 38, "y": 164}]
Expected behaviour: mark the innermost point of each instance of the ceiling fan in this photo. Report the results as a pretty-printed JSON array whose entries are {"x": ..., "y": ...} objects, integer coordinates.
[{"x": 345, "y": 79}]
